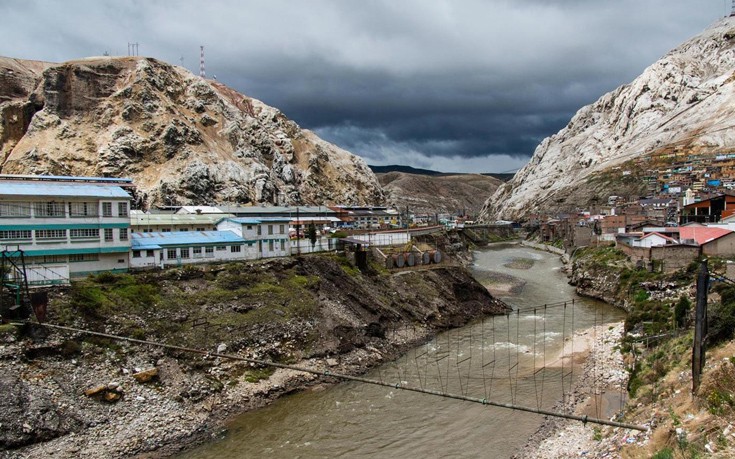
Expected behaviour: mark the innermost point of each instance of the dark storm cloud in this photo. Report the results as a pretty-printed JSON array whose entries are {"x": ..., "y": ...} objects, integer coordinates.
[{"x": 464, "y": 85}]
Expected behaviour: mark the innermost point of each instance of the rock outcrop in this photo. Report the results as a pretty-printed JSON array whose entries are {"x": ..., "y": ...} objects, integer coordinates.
[
  {"x": 183, "y": 139},
  {"x": 683, "y": 102}
]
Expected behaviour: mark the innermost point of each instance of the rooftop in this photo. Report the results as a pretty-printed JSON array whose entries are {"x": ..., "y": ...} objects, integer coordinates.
[
  {"x": 157, "y": 240},
  {"x": 62, "y": 190}
]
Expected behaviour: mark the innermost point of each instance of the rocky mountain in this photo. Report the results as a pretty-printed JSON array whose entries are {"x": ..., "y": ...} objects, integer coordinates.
[
  {"x": 183, "y": 139},
  {"x": 438, "y": 193},
  {"x": 683, "y": 102}
]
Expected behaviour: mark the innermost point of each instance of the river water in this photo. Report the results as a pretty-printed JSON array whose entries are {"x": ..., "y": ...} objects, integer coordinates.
[{"x": 509, "y": 359}]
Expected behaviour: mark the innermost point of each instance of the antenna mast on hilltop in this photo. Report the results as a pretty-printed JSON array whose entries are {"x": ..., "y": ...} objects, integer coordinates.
[
  {"x": 133, "y": 49},
  {"x": 732, "y": 10},
  {"x": 202, "y": 73}
]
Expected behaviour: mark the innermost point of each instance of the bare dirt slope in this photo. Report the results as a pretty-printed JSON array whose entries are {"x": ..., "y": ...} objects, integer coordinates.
[
  {"x": 438, "y": 193},
  {"x": 183, "y": 139}
]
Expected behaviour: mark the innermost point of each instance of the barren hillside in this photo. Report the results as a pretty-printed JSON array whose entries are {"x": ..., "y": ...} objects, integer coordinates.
[
  {"x": 438, "y": 193},
  {"x": 183, "y": 139}
]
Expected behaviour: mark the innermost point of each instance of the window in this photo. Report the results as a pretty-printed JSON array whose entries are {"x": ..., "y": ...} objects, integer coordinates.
[
  {"x": 221, "y": 248},
  {"x": 260, "y": 230},
  {"x": 250, "y": 227},
  {"x": 283, "y": 245},
  {"x": 15, "y": 235},
  {"x": 260, "y": 246},
  {"x": 185, "y": 252},
  {"x": 136, "y": 253},
  {"x": 201, "y": 229},
  {"x": 171, "y": 254},
  {"x": 197, "y": 252},
  {"x": 108, "y": 235},
  {"x": 51, "y": 234},
  {"x": 83, "y": 209},
  {"x": 270, "y": 245},
  {"x": 270, "y": 229},
  {"x": 123, "y": 234},
  {"x": 15, "y": 209},
  {"x": 52, "y": 259},
  {"x": 165, "y": 230},
  {"x": 84, "y": 233},
  {"x": 49, "y": 209},
  {"x": 149, "y": 254},
  {"x": 75, "y": 257},
  {"x": 183, "y": 229},
  {"x": 282, "y": 229},
  {"x": 122, "y": 209},
  {"x": 107, "y": 209},
  {"x": 235, "y": 248},
  {"x": 209, "y": 252}
]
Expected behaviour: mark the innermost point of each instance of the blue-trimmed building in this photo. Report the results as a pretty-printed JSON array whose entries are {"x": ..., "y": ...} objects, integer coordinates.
[
  {"x": 159, "y": 249},
  {"x": 266, "y": 237},
  {"x": 66, "y": 226}
]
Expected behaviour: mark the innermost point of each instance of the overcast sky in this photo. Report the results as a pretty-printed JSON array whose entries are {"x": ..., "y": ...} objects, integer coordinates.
[{"x": 450, "y": 85}]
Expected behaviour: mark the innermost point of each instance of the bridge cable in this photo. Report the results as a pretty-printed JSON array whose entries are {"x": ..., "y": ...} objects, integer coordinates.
[{"x": 327, "y": 373}]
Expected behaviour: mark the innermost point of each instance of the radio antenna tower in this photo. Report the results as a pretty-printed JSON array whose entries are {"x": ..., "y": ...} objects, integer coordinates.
[
  {"x": 202, "y": 73},
  {"x": 133, "y": 49},
  {"x": 732, "y": 10}
]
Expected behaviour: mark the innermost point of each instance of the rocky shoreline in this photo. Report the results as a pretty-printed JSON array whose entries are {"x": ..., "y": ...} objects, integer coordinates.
[
  {"x": 155, "y": 420},
  {"x": 603, "y": 375},
  {"x": 362, "y": 321}
]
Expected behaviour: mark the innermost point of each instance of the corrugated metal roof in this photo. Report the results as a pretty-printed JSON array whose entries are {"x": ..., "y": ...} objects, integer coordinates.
[
  {"x": 61, "y": 190},
  {"x": 702, "y": 234},
  {"x": 276, "y": 219},
  {"x": 144, "y": 240},
  {"x": 244, "y": 220},
  {"x": 65, "y": 178},
  {"x": 282, "y": 210},
  {"x": 142, "y": 219}
]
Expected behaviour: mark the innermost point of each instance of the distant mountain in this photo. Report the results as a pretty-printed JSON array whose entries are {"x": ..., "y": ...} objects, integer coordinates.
[
  {"x": 417, "y": 171},
  {"x": 681, "y": 106},
  {"x": 437, "y": 193},
  {"x": 183, "y": 139}
]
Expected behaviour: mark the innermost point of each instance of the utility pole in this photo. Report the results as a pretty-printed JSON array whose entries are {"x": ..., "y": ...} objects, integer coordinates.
[
  {"x": 700, "y": 326},
  {"x": 202, "y": 73}
]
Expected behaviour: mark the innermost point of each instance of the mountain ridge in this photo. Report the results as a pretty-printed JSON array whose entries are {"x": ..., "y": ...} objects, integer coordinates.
[
  {"x": 685, "y": 100},
  {"x": 183, "y": 139}
]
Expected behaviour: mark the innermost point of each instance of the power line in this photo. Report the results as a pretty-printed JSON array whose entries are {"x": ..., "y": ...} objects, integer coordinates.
[{"x": 327, "y": 373}]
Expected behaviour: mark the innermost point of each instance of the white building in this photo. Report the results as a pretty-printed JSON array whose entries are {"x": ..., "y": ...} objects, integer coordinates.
[
  {"x": 265, "y": 237},
  {"x": 178, "y": 248},
  {"x": 143, "y": 222},
  {"x": 65, "y": 226}
]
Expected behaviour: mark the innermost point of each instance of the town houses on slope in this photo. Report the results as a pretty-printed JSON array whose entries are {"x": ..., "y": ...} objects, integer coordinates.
[
  {"x": 660, "y": 233},
  {"x": 62, "y": 227}
]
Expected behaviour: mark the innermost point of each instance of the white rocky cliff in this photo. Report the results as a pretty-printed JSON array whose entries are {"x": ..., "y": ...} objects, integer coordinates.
[
  {"x": 686, "y": 100},
  {"x": 183, "y": 139}
]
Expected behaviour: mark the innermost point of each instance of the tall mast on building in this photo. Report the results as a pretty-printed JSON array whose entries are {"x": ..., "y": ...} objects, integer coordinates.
[{"x": 202, "y": 73}]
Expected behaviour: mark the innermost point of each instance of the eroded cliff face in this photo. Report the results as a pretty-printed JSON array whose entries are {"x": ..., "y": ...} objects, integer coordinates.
[
  {"x": 183, "y": 139},
  {"x": 685, "y": 101}
]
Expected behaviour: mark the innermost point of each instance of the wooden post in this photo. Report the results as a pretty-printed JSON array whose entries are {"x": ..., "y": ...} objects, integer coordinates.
[{"x": 700, "y": 326}]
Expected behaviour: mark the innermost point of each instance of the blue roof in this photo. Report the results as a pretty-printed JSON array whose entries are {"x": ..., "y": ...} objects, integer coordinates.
[
  {"x": 275, "y": 219},
  {"x": 141, "y": 241},
  {"x": 61, "y": 190},
  {"x": 244, "y": 220},
  {"x": 65, "y": 178}
]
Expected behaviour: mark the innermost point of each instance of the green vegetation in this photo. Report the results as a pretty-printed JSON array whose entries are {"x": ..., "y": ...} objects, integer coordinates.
[
  {"x": 666, "y": 453},
  {"x": 200, "y": 305}
]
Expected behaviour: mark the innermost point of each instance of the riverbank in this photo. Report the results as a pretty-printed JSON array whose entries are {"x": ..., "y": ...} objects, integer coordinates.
[
  {"x": 598, "y": 392},
  {"x": 316, "y": 312}
]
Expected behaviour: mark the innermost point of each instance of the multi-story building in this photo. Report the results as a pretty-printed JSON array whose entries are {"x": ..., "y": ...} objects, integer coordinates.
[
  {"x": 263, "y": 237},
  {"x": 65, "y": 226},
  {"x": 144, "y": 222}
]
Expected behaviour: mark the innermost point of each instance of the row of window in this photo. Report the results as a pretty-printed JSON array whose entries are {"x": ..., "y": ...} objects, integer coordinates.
[
  {"x": 60, "y": 234},
  {"x": 168, "y": 230},
  {"x": 73, "y": 258},
  {"x": 59, "y": 209}
]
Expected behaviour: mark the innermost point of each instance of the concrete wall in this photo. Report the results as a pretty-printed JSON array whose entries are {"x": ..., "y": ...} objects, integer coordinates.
[
  {"x": 547, "y": 248},
  {"x": 674, "y": 257},
  {"x": 722, "y": 247}
]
